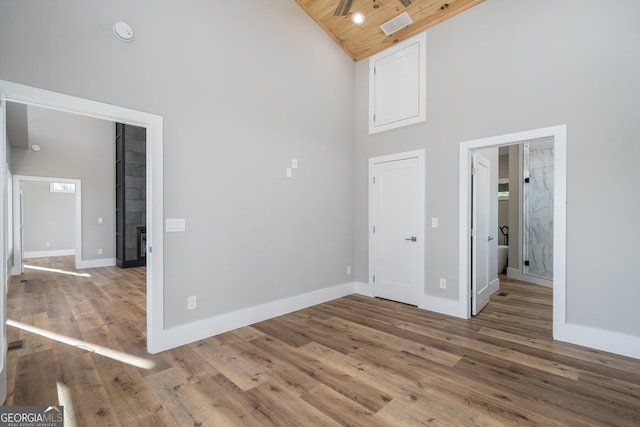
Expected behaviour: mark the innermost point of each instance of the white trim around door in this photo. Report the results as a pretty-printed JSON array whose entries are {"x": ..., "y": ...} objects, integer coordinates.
[
  {"x": 14, "y": 92},
  {"x": 18, "y": 248},
  {"x": 420, "y": 232},
  {"x": 563, "y": 330},
  {"x": 559, "y": 136}
]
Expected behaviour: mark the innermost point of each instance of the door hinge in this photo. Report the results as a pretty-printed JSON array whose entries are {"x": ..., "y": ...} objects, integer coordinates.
[
  {"x": 473, "y": 233},
  {"x": 374, "y": 278},
  {"x": 374, "y": 70},
  {"x": 526, "y": 263},
  {"x": 374, "y": 118},
  {"x": 374, "y": 179},
  {"x": 473, "y": 170},
  {"x": 374, "y": 229},
  {"x": 526, "y": 180}
]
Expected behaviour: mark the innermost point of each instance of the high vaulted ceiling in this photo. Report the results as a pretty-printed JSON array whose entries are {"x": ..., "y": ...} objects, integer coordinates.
[{"x": 361, "y": 41}]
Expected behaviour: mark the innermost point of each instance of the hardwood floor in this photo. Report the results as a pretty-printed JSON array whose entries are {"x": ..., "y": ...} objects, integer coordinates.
[{"x": 353, "y": 361}]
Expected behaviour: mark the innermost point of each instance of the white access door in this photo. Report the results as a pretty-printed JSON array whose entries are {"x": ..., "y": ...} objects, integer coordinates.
[
  {"x": 397, "y": 237},
  {"x": 481, "y": 235},
  {"x": 3, "y": 249}
]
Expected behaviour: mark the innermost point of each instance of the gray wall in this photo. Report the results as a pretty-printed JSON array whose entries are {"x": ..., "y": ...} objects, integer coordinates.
[
  {"x": 243, "y": 87},
  {"x": 236, "y": 109},
  {"x": 512, "y": 65},
  {"x": 48, "y": 217},
  {"x": 76, "y": 147}
]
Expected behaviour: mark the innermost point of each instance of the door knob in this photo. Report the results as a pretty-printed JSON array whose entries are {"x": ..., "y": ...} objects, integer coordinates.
[
  {"x": 412, "y": 239},
  {"x": 490, "y": 238}
]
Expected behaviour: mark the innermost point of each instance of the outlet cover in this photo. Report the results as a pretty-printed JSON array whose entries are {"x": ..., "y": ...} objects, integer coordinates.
[
  {"x": 348, "y": 270},
  {"x": 443, "y": 283},
  {"x": 191, "y": 303}
]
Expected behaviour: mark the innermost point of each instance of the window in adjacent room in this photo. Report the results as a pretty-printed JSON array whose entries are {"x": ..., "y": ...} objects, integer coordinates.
[{"x": 62, "y": 187}]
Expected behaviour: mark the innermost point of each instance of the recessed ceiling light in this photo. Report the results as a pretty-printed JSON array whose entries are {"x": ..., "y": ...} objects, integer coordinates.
[{"x": 358, "y": 18}]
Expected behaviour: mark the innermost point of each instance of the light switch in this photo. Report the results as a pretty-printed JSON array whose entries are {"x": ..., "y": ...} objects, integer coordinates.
[
  {"x": 434, "y": 222},
  {"x": 100, "y": 221},
  {"x": 294, "y": 163},
  {"x": 173, "y": 225},
  {"x": 289, "y": 173}
]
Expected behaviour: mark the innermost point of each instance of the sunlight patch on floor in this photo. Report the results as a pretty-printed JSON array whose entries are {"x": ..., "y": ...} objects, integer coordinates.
[
  {"x": 129, "y": 359},
  {"x": 64, "y": 398},
  {"x": 56, "y": 270}
]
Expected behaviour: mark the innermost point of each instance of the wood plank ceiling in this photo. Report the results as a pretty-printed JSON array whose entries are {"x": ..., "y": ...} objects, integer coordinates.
[{"x": 362, "y": 41}]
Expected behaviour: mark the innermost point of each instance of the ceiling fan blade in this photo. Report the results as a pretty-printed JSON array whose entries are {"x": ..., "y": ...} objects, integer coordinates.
[
  {"x": 406, "y": 3},
  {"x": 343, "y": 8}
]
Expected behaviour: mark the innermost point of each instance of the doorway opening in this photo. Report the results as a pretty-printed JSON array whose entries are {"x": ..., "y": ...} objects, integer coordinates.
[
  {"x": 556, "y": 134},
  {"x": 26, "y": 95},
  {"x": 26, "y": 186}
]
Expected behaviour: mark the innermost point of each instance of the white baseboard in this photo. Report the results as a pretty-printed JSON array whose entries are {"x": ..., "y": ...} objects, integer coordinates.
[
  {"x": 201, "y": 329},
  {"x": 447, "y": 306},
  {"x": 365, "y": 289},
  {"x": 494, "y": 286},
  {"x": 96, "y": 263},
  {"x": 514, "y": 273},
  {"x": 45, "y": 254},
  {"x": 600, "y": 339}
]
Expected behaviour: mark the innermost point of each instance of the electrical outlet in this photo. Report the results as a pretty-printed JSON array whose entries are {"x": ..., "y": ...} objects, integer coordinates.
[
  {"x": 443, "y": 283},
  {"x": 348, "y": 270},
  {"x": 191, "y": 303},
  {"x": 100, "y": 251},
  {"x": 47, "y": 244}
]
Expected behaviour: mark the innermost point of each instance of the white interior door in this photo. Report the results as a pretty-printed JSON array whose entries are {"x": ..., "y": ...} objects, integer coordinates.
[
  {"x": 481, "y": 235},
  {"x": 397, "y": 239},
  {"x": 3, "y": 251}
]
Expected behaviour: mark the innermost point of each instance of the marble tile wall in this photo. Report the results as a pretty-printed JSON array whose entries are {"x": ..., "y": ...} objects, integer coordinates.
[{"x": 538, "y": 212}]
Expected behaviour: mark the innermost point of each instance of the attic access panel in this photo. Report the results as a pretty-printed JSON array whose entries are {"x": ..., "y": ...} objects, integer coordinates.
[{"x": 397, "y": 85}]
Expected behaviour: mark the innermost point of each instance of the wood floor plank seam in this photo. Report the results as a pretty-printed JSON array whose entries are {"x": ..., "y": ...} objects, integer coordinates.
[{"x": 356, "y": 361}]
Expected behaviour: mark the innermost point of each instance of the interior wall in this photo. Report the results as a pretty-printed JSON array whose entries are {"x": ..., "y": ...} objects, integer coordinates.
[
  {"x": 76, "y": 147},
  {"x": 506, "y": 66},
  {"x": 243, "y": 87},
  {"x": 47, "y": 218}
]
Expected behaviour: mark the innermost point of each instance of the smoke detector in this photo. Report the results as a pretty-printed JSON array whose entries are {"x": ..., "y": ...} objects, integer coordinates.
[{"x": 123, "y": 31}]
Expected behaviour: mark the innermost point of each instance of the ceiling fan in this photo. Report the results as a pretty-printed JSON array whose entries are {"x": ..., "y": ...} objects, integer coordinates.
[{"x": 345, "y": 6}]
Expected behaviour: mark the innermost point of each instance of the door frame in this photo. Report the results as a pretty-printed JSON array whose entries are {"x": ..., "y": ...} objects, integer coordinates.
[
  {"x": 416, "y": 154},
  {"x": 18, "y": 247},
  {"x": 559, "y": 136},
  {"x": 157, "y": 336}
]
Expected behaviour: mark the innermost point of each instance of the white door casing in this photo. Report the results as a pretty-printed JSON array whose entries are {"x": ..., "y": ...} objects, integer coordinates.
[
  {"x": 396, "y": 234},
  {"x": 3, "y": 250},
  {"x": 158, "y": 338},
  {"x": 18, "y": 214},
  {"x": 481, "y": 193}
]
